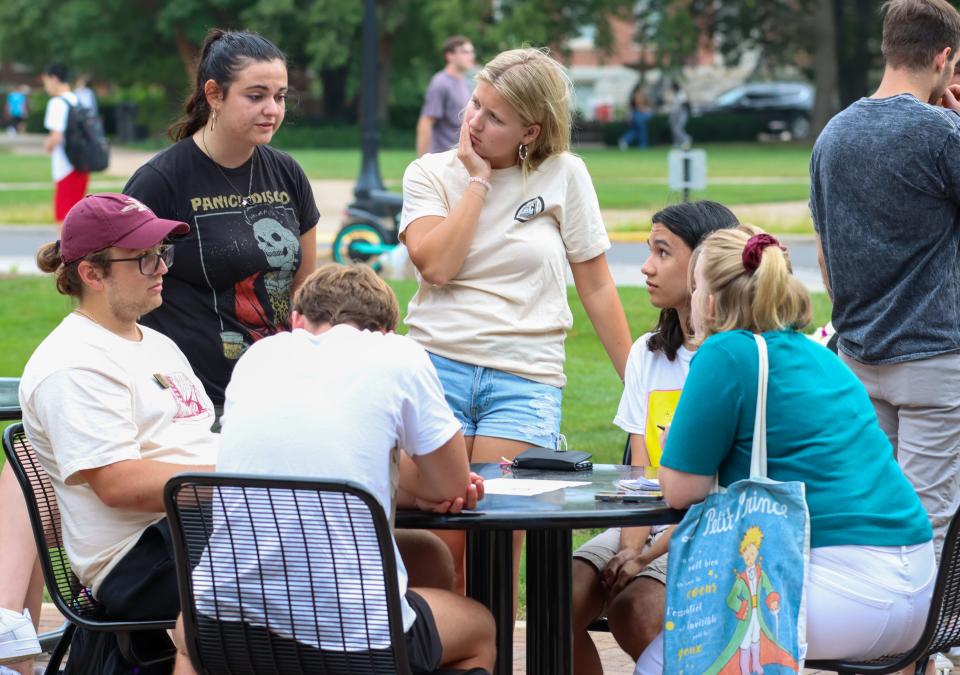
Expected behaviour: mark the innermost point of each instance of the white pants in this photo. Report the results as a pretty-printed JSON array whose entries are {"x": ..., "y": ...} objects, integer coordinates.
[{"x": 862, "y": 602}]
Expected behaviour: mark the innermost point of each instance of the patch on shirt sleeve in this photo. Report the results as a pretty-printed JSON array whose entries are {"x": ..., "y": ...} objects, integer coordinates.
[
  {"x": 529, "y": 209},
  {"x": 187, "y": 395}
]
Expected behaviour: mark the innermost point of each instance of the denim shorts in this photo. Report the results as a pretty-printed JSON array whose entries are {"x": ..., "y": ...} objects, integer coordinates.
[{"x": 489, "y": 402}]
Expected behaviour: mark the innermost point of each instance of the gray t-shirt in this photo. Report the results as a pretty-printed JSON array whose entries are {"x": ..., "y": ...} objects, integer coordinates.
[
  {"x": 885, "y": 200},
  {"x": 446, "y": 98}
]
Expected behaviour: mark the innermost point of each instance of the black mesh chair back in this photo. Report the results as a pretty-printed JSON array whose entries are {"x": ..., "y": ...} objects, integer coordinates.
[
  {"x": 74, "y": 601},
  {"x": 942, "y": 630},
  {"x": 283, "y": 575},
  {"x": 66, "y": 591}
]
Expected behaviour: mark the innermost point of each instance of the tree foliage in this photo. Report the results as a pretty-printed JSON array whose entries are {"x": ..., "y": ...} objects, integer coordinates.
[
  {"x": 781, "y": 30},
  {"x": 155, "y": 42}
]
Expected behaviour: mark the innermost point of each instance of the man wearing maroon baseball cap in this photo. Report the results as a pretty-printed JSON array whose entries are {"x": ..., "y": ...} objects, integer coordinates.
[
  {"x": 99, "y": 221},
  {"x": 114, "y": 410}
]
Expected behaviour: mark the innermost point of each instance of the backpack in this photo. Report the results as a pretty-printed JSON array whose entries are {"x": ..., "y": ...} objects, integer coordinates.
[{"x": 84, "y": 141}]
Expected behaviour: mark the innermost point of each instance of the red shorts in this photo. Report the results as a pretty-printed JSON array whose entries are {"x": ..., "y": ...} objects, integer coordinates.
[{"x": 68, "y": 192}]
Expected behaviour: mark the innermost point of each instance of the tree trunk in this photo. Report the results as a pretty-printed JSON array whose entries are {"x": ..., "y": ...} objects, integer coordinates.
[
  {"x": 189, "y": 53},
  {"x": 825, "y": 66},
  {"x": 861, "y": 25},
  {"x": 335, "y": 94}
]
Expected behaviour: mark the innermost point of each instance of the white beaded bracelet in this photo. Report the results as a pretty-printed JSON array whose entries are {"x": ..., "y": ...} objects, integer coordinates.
[{"x": 483, "y": 181}]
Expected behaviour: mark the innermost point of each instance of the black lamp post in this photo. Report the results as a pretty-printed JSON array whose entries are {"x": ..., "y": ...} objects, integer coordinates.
[{"x": 369, "y": 178}]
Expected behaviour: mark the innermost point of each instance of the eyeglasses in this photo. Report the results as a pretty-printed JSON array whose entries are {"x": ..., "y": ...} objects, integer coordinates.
[{"x": 150, "y": 261}]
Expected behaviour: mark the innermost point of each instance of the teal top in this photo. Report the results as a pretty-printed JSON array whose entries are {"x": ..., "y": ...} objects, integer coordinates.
[{"x": 821, "y": 430}]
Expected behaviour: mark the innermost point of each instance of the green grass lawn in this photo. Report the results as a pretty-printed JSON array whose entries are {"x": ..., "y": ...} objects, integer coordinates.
[
  {"x": 624, "y": 180},
  {"x": 629, "y": 180},
  {"x": 15, "y": 168}
]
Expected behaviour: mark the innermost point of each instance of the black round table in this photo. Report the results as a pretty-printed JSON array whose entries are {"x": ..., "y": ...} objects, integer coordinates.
[
  {"x": 9, "y": 400},
  {"x": 549, "y": 520}
]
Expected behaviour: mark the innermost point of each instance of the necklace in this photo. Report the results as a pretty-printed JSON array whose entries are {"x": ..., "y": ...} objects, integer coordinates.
[
  {"x": 90, "y": 318},
  {"x": 87, "y": 316},
  {"x": 243, "y": 200}
]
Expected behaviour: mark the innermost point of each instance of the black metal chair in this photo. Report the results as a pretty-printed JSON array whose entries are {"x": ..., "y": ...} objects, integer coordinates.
[
  {"x": 942, "y": 630},
  {"x": 294, "y": 608},
  {"x": 139, "y": 641},
  {"x": 10, "y": 412}
]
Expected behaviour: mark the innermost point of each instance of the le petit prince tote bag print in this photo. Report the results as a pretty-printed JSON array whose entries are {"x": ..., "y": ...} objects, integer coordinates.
[{"x": 737, "y": 567}]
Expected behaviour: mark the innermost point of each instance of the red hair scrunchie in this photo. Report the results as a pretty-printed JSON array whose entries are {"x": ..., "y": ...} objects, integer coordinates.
[{"x": 753, "y": 251}]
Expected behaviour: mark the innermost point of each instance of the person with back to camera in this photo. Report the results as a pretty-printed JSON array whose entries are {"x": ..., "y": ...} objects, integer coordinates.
[
  {"x": 347, "y": 381},
  {"x": 490, "y": 227},
  {"x": 885, "y": 203},
  {"x": 69, "y": 183},
  {"x": 250, "y": 207},
  {"x": 872, "y": 564},
  {"x": 622, "y": 571}
]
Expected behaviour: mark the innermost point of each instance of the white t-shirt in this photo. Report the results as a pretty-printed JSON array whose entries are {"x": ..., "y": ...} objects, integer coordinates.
[
  {"x": 90, "y": 399},
  {"x": 651, "y": 390},
  {"x": 55, "y": 119},
  {"x": 507, "y": 306},
  {"x": 337, "y": 405}
]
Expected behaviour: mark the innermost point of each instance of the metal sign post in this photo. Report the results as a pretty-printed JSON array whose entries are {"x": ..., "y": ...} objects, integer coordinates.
[{"x": 687, "y": 170}]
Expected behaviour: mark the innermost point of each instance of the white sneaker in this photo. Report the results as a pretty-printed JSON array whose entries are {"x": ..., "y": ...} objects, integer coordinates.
[
  {"x": 18, "y": 637},
  {"x": 942, "y": 664}
]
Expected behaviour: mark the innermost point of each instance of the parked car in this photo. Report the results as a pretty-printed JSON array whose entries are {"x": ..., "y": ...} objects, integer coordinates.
[{"x": 782, "y": 106}]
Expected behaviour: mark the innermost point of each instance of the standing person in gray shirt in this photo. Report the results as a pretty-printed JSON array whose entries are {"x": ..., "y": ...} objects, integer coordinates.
[
  {"x": 885, "y": 200},
  {"x": 438, "y": 129}
]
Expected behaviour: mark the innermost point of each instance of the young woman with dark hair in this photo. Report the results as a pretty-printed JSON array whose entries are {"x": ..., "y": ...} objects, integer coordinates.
[
  {"x": 622, "y": 572},
  {"x": 250, "y": 208}
]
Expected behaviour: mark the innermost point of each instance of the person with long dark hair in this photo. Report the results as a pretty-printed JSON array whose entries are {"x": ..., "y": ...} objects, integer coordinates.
[
  {"x": 250, "y": 208},
  {"x": 622, "y": 571}
]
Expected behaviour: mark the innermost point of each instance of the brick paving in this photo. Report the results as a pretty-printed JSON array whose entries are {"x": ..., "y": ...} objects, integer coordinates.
[{"x": 615, "y": 661}]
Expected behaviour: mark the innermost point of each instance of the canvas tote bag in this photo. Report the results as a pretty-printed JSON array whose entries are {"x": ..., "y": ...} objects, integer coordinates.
[{"x": 737, "y": 570}]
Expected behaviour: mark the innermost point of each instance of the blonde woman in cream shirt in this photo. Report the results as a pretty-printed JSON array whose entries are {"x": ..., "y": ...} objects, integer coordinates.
[{"x": 491, "y": 226}]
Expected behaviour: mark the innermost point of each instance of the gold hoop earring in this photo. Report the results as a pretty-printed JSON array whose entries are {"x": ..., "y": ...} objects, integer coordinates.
[
  {"x": 522, "y": 152},
  {"x": 213, "y": 120}
]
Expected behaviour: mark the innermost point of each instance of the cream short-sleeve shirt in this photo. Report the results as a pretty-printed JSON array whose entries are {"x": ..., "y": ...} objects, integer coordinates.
[
  {"x": 507, "y": 306},
  {"x": 91, "y": 398}
]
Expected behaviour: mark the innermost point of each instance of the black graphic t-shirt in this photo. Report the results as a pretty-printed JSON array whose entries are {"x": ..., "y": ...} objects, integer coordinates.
[{"x": 232, "y": 274}]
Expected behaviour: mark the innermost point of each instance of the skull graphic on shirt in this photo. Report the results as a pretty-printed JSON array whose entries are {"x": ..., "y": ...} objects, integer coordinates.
[{"x": 280, "y": 247}]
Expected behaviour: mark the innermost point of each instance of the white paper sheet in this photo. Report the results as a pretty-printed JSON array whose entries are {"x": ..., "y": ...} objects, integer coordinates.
[{"x": 526, "y": 487}]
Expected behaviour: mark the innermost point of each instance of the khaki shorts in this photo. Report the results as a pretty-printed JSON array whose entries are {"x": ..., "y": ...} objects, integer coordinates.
[{"x": 600, "y": 550}]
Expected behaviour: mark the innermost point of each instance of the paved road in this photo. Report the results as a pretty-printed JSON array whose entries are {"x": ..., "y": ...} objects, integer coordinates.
[{"x": 19, "y": 243}]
